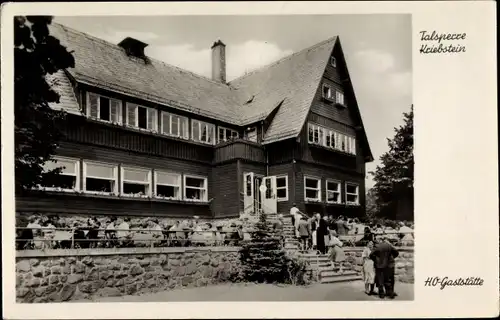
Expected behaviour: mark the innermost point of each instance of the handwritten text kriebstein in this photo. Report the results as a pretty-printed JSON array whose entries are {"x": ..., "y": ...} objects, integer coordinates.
[{"x": 438, "y": 39}]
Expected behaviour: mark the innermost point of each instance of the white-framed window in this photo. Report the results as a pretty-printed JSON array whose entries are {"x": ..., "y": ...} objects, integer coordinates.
[
  {"x": 195, "y": 188},
  {"x": 327, "y": 92},
  {"x": 333, "y": 191},
  {"x": 69, "y": 177},
  {"x": 282, "y": 188},
  {"x": 351, "y": 193},
  {"x": 351, "y": 145},
  {"x": 100, "y": 178},
  {"x": 339, "y": 97},
  {"x": 174, "y": 125},
  {"x": 331, "y": 139},
  {"x": 141, "y": 117},
  {"x": 135, "y": 182},
  {"x": 315, "y": 134},
  {"x": 312, "y": 188},
  {"x": 226, "y": 134},
  {"x": 104, "y": 108},
  {"x": 252, "y": 134},
  {"x": 167, "y": 185},
  {"x": 202, "y": 131},
  {"x": 333, "y": 62}
]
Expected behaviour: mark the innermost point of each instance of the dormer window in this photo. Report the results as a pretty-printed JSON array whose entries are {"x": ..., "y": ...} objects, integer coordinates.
[
  {"x": 333, "y": 62},
  {"x": 134, "y": 48},
  {"x": 103, "y": 108},
  {"x": 141, "y": 117}
]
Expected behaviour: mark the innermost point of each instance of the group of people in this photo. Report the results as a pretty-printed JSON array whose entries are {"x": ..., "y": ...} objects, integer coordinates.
[
  {"x": 323, "y": 234},
  {"x": 316, "y": 232},
  {"x": 53, "y": 233},
  {"x": 378, "y": 267}
]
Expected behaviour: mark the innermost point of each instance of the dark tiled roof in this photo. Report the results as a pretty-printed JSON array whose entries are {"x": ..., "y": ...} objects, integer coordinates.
[
  {"x": 67, "y": 98},
  {"x": 251, "y": 98},
  {"x": 293, "y": 80},
  {"x": 102, "y": 64}
]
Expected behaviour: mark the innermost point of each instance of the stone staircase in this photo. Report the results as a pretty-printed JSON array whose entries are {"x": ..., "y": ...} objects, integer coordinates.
[{"x": 326, "y": 270}]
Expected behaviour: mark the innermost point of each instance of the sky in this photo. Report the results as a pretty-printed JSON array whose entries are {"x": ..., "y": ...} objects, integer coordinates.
[{"x": 377, "y": 49}]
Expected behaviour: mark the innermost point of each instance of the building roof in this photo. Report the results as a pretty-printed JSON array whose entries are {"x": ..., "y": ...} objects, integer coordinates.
[
  {"x": 102, "y": 64},
  {"x": 293, "y": 80},
  {"x": 288, "y": 85}
]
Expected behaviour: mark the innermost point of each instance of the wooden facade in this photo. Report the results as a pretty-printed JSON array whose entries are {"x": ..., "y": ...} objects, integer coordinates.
[{"x": 223, "y": 164}]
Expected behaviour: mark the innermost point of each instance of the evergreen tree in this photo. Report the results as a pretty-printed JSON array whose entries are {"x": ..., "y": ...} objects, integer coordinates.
[
  {"x": 37, "y": 54},
  {"x": 393, "y": 178},
  {"x": 263, "y": 258},
  {"x": 371, "y": 204}
]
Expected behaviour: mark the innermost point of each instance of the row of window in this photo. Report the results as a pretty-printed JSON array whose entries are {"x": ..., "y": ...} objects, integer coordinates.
[
  {"x": 312, "y": 191},
  {"x": 331, "y": 139},
  {"x": 102, "y": 178},
  {"x": 330, "y": 94},
  {"x": 145, "y": 118}
]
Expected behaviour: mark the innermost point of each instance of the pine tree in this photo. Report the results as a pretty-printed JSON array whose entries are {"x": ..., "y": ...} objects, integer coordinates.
[
  {"x": 263, "y": 258},
  {"x": 36, "y": 55},
  {"x": 393, "y": 187},
  {"x": 371, "y": 204}
]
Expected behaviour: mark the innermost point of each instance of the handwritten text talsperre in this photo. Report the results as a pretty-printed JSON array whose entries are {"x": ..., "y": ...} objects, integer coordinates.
[{"x": 436, "y": 42}]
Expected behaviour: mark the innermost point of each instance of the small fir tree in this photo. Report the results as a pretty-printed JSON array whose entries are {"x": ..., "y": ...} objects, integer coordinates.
[{"x": 263, "y": 258}]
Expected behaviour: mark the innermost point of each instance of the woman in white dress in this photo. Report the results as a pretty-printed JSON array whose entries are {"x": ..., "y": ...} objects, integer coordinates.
[{"x": 368, "y": 269}]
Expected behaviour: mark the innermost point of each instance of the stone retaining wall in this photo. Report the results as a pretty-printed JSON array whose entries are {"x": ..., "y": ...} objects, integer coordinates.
[
  {"x": 404, "y": 263},
  {"x": 62, "y": 275}
]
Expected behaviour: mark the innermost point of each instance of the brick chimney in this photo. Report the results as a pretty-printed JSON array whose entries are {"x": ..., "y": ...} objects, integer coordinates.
[{"x": 219, "y": 61}]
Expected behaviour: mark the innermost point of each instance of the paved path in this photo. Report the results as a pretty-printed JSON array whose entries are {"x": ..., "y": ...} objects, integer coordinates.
[{"x": 349, "y": 291}]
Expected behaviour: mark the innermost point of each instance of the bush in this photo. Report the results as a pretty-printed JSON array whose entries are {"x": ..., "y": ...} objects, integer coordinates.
[{"x": 264, "y": 260}]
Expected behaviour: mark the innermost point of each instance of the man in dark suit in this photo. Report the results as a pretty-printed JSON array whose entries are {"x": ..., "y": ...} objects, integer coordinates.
[{"x": 383, "y": 256}]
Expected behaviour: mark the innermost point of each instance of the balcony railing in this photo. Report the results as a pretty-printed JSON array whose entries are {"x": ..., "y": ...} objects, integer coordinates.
[
  {"x": 80, "y": 238},
  {"x": 239, "y": 149}
]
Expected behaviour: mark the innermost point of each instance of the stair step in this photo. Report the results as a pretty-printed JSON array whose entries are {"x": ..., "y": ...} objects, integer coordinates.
[
  {"x": 341, "y": 279},
  {"x": 331, "y": 273}
]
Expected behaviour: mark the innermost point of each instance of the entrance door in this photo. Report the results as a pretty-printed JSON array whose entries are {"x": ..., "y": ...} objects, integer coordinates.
[
  {"x": 248, "y": 192},
  {"x": 257, "y": 195},
  {"x": 268, "y": 195}
]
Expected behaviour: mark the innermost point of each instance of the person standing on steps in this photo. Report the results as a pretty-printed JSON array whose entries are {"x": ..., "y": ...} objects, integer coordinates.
[
  {"x": 384, "y": 255},
  {"x": 295, "y": 213},
  {"x": 368, "y": 269},
  {"x": 303, "y": 233},
  {"x": 321, "y": 232},
  {"x": 313, "y": 225}
]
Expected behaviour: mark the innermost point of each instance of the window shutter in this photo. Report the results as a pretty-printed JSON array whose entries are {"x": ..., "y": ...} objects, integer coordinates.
[
  {"x": 115, "y": 111},
  {"x": 131, "y": 114},
  {"x": 93, "y": 102},
  {"x": 353, "y": 148},
  {"x": 152, "y": 123}
]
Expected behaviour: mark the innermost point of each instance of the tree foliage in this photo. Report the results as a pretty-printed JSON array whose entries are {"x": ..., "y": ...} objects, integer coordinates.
[
  {"x": 264, "y": 260},
  {"x": 37, "y": 55},
  {"x": 393, "y": 189}
]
